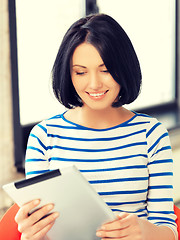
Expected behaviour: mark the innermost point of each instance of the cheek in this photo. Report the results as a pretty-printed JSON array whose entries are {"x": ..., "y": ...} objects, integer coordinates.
[
  {"x": 118, "y": 88},
  {"x": 109, "y": 81},
  {"x": 74, "y": 81},
  {"x": 115, "y": 86},
  {"x": 78, "y": 85}
]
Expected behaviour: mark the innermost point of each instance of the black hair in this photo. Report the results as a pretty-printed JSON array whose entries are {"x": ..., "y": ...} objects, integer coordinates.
[{"x": 115, "y": 49}]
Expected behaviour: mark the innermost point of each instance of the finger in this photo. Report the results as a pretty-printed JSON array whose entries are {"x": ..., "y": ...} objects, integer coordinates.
[
  {"x": 123, "y": 215},
  {"x": 121, "y": 238},
  {"x": 129, "y": 219},
  {"x": 39, "y": 235},
  {"x": 120, "y": 223},
  {"x": 112, "y": 234},
  {"x": 25, "y": 209},
  {"x": 43, "y": 223},
  {"x": 40, "y": 213},
  {"x": 35, "y": 217},
  {"x": 44, "y": 231}
]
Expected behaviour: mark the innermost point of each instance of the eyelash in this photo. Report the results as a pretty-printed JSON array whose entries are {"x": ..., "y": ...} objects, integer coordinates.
[{"x": 82, "y": 73}]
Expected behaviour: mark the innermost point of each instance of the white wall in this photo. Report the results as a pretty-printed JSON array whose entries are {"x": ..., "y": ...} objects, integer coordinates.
[
  {"x": 7, "y": 169},
  {"x": 179, "y": 52}
]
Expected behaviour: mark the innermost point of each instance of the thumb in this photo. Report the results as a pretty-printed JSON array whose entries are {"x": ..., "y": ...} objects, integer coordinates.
[{"x": 122, "y": 215}]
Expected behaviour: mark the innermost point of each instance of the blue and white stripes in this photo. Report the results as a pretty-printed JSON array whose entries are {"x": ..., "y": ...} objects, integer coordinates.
[{"x": 129, "y": 165}]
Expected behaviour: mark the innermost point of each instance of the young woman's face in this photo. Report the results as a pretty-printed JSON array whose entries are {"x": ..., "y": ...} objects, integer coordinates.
[{"x": 91, "y": 79}]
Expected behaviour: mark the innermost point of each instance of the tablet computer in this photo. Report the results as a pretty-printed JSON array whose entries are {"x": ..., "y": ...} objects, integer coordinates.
[{"x": 82, "y": 211}]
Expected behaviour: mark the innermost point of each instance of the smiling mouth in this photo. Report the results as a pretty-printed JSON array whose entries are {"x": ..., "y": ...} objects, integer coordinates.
[{"x": 97, "y": 94}]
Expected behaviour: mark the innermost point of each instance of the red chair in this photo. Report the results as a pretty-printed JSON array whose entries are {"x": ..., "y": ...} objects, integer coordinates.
[
  {"x": 177, "y": 212},
  {"x": 9, "y": 228}
]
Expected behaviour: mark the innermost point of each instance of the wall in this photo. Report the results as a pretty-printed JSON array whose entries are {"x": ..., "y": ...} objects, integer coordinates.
[
  {"x": 7, "y": 169},
  {"x": 178, "y": 57}
]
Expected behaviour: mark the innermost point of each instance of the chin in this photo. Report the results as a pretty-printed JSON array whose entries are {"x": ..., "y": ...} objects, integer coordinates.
[{"x": 98, "y": 107}]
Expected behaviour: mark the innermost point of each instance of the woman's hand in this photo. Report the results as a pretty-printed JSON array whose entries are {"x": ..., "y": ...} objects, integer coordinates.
[
  {"x": 125, "y": 227},
  {"x": 35, "y": 226}
]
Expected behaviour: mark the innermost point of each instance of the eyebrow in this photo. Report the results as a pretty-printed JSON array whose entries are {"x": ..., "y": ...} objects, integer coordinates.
[{"x": 78, "y": 65}]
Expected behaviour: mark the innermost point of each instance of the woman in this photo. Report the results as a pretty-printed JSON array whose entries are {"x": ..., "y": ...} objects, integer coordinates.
[{"x": 126, "y": 156}]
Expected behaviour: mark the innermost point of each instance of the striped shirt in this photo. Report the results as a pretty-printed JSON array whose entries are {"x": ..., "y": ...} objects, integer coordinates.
[{"x": 129, "y": 165}]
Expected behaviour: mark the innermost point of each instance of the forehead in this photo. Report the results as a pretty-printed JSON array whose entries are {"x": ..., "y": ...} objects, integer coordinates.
[{"x": 86, "y": 54}]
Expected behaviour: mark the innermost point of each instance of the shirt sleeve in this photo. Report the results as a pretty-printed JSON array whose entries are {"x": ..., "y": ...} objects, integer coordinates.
[
  {"x": 160, "y": 204},
  {"x": 36, "y": 161}
]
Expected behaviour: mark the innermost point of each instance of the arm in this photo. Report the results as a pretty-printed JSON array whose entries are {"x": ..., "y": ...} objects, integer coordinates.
[
  {"x": 160, "y": 223},
  {"x": 33, "y": 226},
  {"x": 129, "y": 226},
  {"x": 36, "y": 153},
  {"x": 160, "y": 204}
]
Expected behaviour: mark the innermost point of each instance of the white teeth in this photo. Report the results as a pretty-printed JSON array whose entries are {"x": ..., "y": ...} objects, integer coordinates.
[{"x": 96, "y": 94}]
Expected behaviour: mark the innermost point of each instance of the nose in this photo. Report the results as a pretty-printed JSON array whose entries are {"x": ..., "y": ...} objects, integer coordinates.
[{"x": 95, "y": 82}]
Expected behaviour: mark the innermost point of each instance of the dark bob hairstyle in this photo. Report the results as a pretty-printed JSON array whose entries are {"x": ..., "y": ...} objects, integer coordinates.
[{"x": 115, "y": 49}]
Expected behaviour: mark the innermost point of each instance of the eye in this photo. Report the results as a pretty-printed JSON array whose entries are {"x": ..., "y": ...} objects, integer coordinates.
[
  {"x": 80, "y": 73},
  {"x": 105, "y": 71}
]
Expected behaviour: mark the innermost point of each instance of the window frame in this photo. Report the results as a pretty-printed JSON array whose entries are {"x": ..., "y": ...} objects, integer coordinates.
[{"x": 21, "y": 132}]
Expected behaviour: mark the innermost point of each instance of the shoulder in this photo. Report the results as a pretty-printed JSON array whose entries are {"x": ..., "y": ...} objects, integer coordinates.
[
  {"x": 151, "y": 123},
  {"x": 154, "y": 129},
  {"x": 157, "y": 136},
  {"x": 41, "y": 128}
]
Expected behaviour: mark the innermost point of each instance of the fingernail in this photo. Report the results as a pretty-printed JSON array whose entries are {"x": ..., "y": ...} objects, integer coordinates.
[
  {"x": 36, "y": 202},
  {"x": 50, "y": 206},
  {"x": 56, "y": 214},
  {"x": 98, "y": 234}
]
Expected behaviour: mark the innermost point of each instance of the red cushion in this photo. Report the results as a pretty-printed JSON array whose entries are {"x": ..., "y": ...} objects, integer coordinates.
[
  {"x": 177, "y": 212},
  {"x": 8, "y": 226}
]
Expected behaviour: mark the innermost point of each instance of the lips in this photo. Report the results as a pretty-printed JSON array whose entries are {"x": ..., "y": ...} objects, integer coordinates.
[{"x": 97, "y": 94}]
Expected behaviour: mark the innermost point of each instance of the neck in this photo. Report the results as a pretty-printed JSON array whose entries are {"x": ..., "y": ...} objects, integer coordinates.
[{"x": 100, "y": 119}]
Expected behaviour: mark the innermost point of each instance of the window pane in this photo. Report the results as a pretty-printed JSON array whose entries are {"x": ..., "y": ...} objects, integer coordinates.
[
  {"x": 150, "y": 25},
  {"x": 40, "y": 27}
]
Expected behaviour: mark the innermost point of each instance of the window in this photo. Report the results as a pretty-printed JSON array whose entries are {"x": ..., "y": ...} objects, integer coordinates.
[
  {"x": 150, "y": 24},
  {"x": 41, "y": 26}
]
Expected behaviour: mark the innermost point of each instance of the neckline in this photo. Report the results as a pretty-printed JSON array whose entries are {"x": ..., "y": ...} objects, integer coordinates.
[{"x": 96, "y": 129}]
